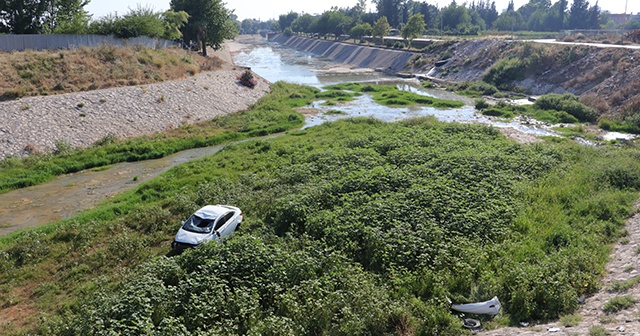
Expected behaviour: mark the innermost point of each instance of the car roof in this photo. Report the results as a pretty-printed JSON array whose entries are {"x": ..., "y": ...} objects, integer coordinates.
[{"x": 211, "y": 211}]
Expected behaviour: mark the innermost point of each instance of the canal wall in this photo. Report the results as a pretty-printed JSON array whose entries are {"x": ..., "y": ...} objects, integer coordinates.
[{"x": 387, "y": 60}]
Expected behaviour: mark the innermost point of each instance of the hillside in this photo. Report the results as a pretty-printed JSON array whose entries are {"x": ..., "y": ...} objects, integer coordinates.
[
  {"x": 607, "y": 79},
  {"x": 34, "y": 73}
]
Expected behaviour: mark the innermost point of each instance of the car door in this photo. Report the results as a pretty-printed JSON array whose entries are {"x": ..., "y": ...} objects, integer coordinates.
[
  {"x": 227, "y": 228},
  {"x": 219, "y": 226}
]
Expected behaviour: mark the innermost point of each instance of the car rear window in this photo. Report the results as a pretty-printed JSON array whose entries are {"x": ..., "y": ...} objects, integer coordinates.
[{"x": 199, "y": 225}]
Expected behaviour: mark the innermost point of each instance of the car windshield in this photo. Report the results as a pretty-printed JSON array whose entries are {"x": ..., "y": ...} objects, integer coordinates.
[{"x": 198, "y": 225}]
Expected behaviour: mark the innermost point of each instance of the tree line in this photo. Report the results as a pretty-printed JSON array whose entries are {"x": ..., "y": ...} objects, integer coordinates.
[
  {"x": 456, "y": 19},
  {"x": 208, "y": 22}
]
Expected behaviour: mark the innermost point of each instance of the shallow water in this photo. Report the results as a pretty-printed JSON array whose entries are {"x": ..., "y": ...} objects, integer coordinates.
[
  {"x": 275, "y": 63},
  {"x": 69, "y": 194},
  {"x": 279, "y": 64}
]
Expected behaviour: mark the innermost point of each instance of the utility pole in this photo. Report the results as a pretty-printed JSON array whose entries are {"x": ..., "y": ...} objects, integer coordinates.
[{"x": 625, "y": 7}]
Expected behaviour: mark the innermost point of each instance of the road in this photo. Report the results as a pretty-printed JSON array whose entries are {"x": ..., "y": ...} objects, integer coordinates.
[{"x": 597, "y": 45}]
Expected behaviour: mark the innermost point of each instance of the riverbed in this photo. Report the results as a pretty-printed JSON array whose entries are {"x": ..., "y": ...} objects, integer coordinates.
[{"x": 71, "y": 194}]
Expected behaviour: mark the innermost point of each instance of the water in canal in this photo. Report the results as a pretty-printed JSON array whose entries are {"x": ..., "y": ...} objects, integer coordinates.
[{"x": 276, "y": 63}]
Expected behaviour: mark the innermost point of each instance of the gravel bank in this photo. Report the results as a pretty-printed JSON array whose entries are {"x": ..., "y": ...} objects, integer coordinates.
[{"x": 38, "y": 124}]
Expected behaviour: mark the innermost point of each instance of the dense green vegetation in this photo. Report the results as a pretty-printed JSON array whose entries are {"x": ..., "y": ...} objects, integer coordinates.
[
  {"x": 553, "y": 108},
  {"x": 454, "y": 18},
  {"x": 385, "y": 95},
  {"x": 273, "y": 113},
  {"x": 472, "y": 89},
  {"x": 351, "y": 227}
]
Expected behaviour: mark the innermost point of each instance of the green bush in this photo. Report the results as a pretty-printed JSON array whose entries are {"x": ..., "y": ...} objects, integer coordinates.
[
  {"x": 567, "y": 103},
  {"x": 497, "y": 112},
  {"x": 504, "y": 71},
  {"x": 598, "y": 330},
  {"x": 481, "y": 103}
]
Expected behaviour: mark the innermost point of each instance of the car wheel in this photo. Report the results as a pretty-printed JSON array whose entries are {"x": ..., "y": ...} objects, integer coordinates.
[{"x": 471, "y": 323}]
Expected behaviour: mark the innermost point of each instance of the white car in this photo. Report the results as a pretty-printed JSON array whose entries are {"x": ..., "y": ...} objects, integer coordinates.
[{"x": 212, "y": 222}]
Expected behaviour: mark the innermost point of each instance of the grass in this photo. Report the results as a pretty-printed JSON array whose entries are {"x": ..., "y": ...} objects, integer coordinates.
[
  {"x": 621, "y": 286},
  {"x": 391, "y": 96},
  {"x": 271, "y": 114},
  {"x": 550, "y": 108},
  {"x": 532, "y": 225},
  {"x": 570, "y": 320},
  {"x": 598, "y": 330},
  {"x": 619, "y": 303},
  {"x": 473, "y": 89},
  {"x": 33, "y": 73}
]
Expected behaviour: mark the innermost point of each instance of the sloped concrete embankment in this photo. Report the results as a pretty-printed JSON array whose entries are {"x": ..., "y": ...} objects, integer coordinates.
[{"x": 357, "y": 56}]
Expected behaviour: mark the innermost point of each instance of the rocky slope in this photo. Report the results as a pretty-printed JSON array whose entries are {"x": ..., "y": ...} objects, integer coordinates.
[
  {"x": 607, "y": 79},
  {"x": 45, "y": 123}
]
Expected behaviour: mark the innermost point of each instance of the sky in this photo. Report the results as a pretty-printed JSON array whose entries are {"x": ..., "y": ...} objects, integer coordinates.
[{"x": 271, "y": 9}]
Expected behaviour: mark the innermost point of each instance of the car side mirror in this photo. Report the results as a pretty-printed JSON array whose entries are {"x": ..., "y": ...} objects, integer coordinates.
[{"x": 182, "y": 222}]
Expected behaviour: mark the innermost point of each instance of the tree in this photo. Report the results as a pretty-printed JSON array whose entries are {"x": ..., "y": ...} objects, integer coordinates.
[
  {"x": 247, "y": 27},
  {"x": 595, "y": 18},
  {"x": 333, "y": 22},
  {"x": 391, "y": 9},
  {"x": 141, "y": 21},
  {"x": 173, "y": 21},
  {"x": 486, "y": 10},
  {"x": 509, "y": 20},
  {"x": 285, "y": 20},
  {"x": 66, "y": 16},
  {"x": 42, "y": 16},
  {"x": 303, "y": 23},
  {"x": 358, "y": 31},
  {"x": 381, "y": 28},
  {"x": 429, "y": 12},
  {"x": 454, "y": 17},
  {"x": 209, "y": 22},
  {"x": 578, "y": 15},
  {"x": 413, "y": 28}
]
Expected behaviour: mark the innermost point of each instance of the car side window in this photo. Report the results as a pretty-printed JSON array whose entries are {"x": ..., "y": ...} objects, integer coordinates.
[{"x": 222, "y": 221}]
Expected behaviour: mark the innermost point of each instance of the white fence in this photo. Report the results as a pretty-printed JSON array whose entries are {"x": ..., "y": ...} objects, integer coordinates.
[{"x": 51, "y": 41}]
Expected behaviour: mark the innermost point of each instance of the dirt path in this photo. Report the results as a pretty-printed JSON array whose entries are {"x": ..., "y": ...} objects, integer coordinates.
[{"x": 623, "y": 265}]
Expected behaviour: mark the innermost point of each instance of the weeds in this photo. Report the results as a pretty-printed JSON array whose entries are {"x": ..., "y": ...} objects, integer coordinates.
[
  {"x": 384, "y": 95},
  {"x": 598, "y": 330},
  {"x": 247, "y": 79},
  {"x": 619, "y": 303},
  {"x": 32, "y": 73},
  {"x": 570, "y": 320},
  {"x": 621, "y": 286}
]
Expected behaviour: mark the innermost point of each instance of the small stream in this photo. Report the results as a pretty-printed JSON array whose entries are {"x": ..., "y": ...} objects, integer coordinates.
[{"x": 70, "y": 194}]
